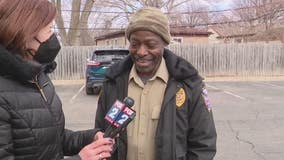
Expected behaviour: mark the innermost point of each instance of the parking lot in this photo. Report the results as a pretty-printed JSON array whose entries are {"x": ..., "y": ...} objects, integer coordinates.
[{"x": 249, "y": 116}]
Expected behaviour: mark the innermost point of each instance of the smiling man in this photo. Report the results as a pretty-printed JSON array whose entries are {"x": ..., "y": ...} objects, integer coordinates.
[{"x": 173, "y": 114}]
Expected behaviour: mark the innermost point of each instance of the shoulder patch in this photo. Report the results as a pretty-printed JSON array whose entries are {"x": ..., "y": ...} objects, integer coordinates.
[
  {"x": 180, "y": 97},
  {"x": 206, "y": 99}
]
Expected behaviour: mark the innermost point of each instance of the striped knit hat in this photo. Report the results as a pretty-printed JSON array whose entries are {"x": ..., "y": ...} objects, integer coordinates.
[{"x": 150, "y": 19}]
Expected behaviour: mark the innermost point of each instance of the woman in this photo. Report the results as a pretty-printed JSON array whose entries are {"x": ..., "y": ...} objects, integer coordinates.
[{"x": 31, "y": 117}]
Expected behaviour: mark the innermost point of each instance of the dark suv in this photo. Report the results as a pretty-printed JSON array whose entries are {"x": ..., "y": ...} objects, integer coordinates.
[{"x": 101, "y": 60}]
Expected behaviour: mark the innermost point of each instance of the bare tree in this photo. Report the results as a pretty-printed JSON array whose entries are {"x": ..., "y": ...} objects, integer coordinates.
[
  {"x": 264, "y": 13},
  {"x": 170, "y": 5},
  {"x": 76, "y": 32},
  {"x": 130, "y": 6},
  {"x": 194, "y": 15},
  {"x": 89, "y": 18}
]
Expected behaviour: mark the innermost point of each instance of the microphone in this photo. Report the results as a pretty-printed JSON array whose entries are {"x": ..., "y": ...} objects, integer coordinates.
[{"x": 119, "y": 116}]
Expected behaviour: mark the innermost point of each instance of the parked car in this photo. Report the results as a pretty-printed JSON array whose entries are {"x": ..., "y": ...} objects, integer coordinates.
[{"x": 100, "y": 61}]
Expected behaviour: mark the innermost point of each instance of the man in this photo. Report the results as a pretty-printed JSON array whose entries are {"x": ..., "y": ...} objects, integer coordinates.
[{"x": 173, "y": 116}]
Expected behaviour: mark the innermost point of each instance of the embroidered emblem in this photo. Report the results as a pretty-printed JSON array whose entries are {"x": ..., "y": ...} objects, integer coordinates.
[
  {"x": 180, "y": 97},
  {"x": 206, "y": 99}
]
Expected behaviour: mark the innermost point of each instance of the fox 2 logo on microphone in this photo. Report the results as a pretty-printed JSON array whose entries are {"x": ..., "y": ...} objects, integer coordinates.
[{"x": 119, "y": 114}]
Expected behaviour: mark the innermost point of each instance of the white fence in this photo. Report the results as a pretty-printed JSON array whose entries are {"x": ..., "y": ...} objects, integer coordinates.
[{"x": 211, "y": 60}]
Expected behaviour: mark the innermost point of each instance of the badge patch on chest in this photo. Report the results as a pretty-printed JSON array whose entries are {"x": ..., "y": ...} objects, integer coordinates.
[
  {"x": 180, "y": 97},
  {"x": 206, "y": 99}
]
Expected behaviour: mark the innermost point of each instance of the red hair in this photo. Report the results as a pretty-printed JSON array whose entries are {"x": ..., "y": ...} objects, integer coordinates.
[{"x": 21, "y": 20}]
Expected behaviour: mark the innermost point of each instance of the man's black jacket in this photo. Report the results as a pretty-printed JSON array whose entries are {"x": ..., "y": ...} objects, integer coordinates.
[{"x": 183, "y": 133}]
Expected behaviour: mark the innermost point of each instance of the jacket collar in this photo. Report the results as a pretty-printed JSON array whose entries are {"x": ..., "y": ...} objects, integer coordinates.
[
  {"x": 12, "y": 65},
  {"x": 118, "y": 68},
  {"x": 178, "y": 67}
]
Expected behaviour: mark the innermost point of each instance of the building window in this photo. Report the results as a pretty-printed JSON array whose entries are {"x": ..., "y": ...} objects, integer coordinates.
[
  {"x": 238, "y": 40},
  {"x": 177, "y": 39}
]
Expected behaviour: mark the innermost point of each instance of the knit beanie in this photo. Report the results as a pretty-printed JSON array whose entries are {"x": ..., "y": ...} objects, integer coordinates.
[{"x": 149, "y": 19}]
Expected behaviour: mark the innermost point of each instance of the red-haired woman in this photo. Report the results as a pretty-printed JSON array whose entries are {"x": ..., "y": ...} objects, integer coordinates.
[{"x": 31, "y": 117}]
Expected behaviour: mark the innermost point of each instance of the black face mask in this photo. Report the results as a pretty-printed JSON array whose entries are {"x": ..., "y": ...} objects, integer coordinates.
[{"x": 47, "y": 50}]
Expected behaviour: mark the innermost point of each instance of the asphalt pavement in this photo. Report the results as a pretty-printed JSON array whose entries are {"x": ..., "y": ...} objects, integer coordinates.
[{"x": 249, "y": 116}]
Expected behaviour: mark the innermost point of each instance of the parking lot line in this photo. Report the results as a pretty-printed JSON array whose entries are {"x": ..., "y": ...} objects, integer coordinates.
[
  {"x": 226, "y": 92},
  {"x": 270, "y": 84},
  {"x": 213, "y": 87},
  {"x": 235, "y": 95},
  {"x": 77, "y": 93}
]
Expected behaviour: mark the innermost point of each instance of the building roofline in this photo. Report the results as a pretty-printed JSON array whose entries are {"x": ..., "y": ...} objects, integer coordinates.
[{"x": 174, "y": 32}]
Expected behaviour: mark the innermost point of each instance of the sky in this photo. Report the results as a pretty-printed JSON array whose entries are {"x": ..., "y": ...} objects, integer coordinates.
[
  {"x": 218, "y": 4},
  {"x": 224, "y": 4}
]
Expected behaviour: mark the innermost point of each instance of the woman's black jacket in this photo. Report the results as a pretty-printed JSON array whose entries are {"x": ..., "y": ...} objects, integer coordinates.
[{"x": 31, "y": 117}]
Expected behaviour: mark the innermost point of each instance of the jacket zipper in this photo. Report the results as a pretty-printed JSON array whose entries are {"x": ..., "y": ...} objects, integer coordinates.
[{"x": 35, "y": 81}]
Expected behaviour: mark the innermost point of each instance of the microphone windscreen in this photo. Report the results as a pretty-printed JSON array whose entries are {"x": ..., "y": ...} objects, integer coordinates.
[{"x": 129, "y": 102}]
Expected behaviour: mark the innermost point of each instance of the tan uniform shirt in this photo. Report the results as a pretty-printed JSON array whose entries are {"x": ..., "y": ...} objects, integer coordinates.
[{"x": 148, "y": 100}]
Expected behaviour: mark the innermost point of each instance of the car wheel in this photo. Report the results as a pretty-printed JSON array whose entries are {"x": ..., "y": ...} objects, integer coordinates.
[
  {"x": 96, "y": 90},
  {"x": 89, "y": 90}
]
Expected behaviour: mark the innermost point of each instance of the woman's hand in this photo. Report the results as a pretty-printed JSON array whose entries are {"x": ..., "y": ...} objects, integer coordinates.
[
  {"x": 99, "y": 149},
  {"x": 100, "y": 135}
]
